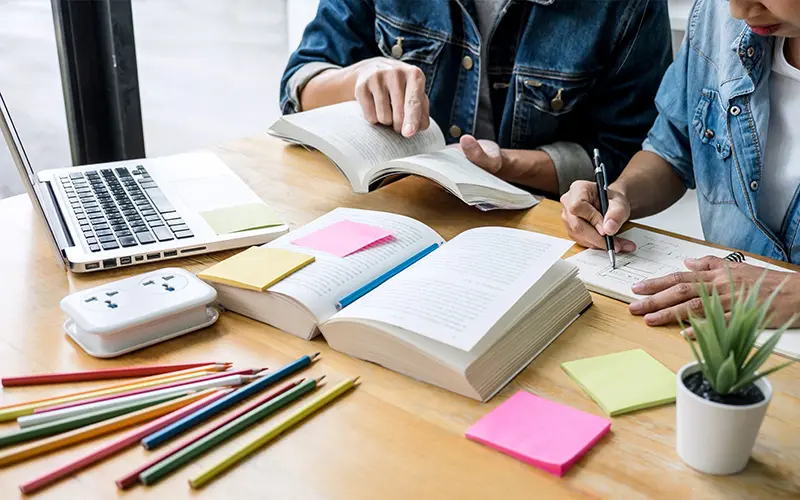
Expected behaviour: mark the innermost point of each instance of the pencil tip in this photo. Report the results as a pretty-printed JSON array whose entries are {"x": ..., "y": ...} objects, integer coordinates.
[
  {"x": 357, "y": 380},
  {"x": 314, "y": 356},
  {"x": 319, "y": 380}
]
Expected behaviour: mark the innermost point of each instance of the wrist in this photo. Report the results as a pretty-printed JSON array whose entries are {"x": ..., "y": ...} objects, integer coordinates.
[{"x": 330, "y": 86}]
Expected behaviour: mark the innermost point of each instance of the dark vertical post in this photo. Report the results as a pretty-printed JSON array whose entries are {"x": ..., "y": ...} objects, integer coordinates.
[{"x": 97, "y": 55}]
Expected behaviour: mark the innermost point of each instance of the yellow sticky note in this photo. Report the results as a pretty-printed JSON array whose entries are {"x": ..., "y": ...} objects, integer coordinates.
[
  {"x": 624, "y": 381},
  {"x": 237, "y": 218},
  {"x": 256, "y": 268}
]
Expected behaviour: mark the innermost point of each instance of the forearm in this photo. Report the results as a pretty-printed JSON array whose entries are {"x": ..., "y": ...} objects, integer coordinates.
[
  {"x": 331, "y": 86},
  {"x": 530, "y": 168},
  {"x": 650, "y": 184}
]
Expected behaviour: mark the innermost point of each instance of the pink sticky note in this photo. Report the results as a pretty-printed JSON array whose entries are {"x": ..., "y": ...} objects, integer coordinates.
[
  {"x": 543, "y": 433},
  {"x": 343, "y": 238}
]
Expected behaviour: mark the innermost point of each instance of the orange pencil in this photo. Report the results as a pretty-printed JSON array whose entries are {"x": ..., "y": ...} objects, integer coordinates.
[{"x": 101, "y": 374}]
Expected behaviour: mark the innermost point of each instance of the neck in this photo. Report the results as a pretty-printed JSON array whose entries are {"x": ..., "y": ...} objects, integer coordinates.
[{"x": 792, "y": 51}]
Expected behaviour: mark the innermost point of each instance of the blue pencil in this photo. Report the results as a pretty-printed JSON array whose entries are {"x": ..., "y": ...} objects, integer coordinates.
[
  {"x": 158, "y": 438},
  {"x": 372, "y": 285}
]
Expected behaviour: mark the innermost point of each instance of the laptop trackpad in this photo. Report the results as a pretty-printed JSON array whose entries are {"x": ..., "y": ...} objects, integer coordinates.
[{"x": 209, "y": 193}]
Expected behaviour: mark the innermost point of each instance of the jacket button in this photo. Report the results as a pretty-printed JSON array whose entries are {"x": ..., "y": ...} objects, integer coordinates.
[
  {"x": 709, "y": 134},
  {"x": 455, "y": 131},
  {"x": 754, "y": 185},
  {"x": 467, "y": 63},
  {"x": 557, "y": 104},
  {"x": 751, "y": 51},
  {"x": 397, "y": 49},
  {"x": 736, "y": 110}
]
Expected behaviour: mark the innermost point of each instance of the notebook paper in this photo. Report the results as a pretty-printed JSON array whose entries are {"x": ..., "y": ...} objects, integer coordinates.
[
  {"x": 257, "y": 268},
  {"x": 238, "y": 218},
  {"x": 543, "y": 433},
  {"x": 625, "y": 381},
  {"x": 343, "y": 238}
]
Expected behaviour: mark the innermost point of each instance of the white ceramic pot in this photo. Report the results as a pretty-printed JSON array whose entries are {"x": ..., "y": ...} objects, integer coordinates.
[{"x": 714, "y": 438}]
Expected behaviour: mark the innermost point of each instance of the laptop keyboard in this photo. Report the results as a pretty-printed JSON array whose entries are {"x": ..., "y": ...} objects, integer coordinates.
[{"x": 122, "y": 208}]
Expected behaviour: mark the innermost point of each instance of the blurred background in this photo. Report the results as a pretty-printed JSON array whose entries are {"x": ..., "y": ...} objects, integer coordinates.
[{"x": 208, "y": 73}]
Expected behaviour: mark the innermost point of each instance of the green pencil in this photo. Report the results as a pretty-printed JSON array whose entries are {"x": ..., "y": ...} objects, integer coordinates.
[
  {"x": 67, "y": 424},
  {"x": 173, "y": 462}
]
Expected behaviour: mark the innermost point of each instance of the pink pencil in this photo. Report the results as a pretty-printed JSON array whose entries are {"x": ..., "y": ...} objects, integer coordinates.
[
  {"x": 105, "y": 374},
  {"x": 251, "y": 371},
  {"x": 120, "y": 444},
  {"x": 132, "y": 478}
]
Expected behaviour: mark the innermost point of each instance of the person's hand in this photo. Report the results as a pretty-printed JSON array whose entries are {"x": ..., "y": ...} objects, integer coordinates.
[
  {"x": 671, "y": 298},
  {"x": 392, "y": 93},
  {"x": 483, "y": 153},
  {"x": 585, "y": 224}
]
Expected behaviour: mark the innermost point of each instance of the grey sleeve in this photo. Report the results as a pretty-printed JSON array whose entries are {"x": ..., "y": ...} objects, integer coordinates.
[
  {"x": 302, "y": 76},
  {"x": 572, "y": 163}
]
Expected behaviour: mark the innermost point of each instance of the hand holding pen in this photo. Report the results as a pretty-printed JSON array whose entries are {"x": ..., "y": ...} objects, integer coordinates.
[{"x": 602, "y": 193}]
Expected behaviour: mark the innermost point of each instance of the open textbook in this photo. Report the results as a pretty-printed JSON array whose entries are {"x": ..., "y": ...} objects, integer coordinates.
[
  {"x": 658, "y": 255},
  {"x": 466, "y": 317},
  {"x": 367, "y": 153}
]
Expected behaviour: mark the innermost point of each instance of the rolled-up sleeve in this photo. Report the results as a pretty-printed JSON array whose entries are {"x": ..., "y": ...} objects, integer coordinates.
[
  {"x": 572, "y": 163},
  {"x": 301, "y": 77}
]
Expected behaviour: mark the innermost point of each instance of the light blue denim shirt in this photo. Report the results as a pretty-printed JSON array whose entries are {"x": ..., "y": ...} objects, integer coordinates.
[{"x": 712, "y": 128}]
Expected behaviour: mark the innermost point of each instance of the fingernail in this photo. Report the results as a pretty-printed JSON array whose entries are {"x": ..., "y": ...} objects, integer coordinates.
[
  {"x": 611, "y": 227},
  {"x": 599, "y": 228},
  {"x": 635, "y": 307},
  {"x": 617, "y": 248},
  {"x": 638, "y": 287},
  {"x": 408, "y": 130},
  {"x": 628, "y": 246},
  {"x": 687, "y": 334},
  {"x": 689, "y": 261},
  {"x": 651, "y": 318}
]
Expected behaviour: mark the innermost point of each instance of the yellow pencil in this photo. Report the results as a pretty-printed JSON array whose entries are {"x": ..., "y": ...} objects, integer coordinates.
[
  {"x": 45, "y": 446},
  {"x": 211, "y": 473},
  {"x": 13, "y": 413},
  {"x": 197, "y": 370}
]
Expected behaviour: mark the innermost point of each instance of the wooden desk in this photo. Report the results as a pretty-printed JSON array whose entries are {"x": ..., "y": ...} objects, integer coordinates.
[{"x": 393, "y": 437}]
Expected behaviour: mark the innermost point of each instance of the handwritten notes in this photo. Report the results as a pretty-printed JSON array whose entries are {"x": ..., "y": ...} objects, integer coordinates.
[
  {"x": 343, "y": 238},
  {"x": 238, "y": 218},
  {"x": 256, "y": 268},
  {"x": 543, "y": 433},
  {"x": 625, "y": 381}
]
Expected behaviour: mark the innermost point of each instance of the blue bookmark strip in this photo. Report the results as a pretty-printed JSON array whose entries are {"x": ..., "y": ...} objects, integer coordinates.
[{"x": 372, "y": 285}]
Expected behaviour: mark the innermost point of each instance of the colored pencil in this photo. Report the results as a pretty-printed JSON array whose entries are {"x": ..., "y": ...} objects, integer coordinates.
[
  {"x": 67, "y": 424},
  {"x": 18, "y": 411},
  {"x": 88, "y": 393},
  {"x": 60, "y": 441},
  {"x": 129, "y": 439},
  {"x": 43, "y": 418},
  {"x": 132, "y": 477},
  {"x": 250, "y": 371},
  {"x": 307, "y": 410},
  {"x": 216, "y": 438},
  {"x": 103, "y": 374},
  {"x": 167, "y": 433}
]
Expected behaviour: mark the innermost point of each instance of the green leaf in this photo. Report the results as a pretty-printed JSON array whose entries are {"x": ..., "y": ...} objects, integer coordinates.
[
  {"x": 749, "y": 380},
  {"x": 726, "y": 378},
  {"x": 762, "y": 354}
]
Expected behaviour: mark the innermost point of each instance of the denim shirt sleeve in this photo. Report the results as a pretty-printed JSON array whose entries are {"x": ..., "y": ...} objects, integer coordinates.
[
  {"x": 622, "y": 99},
  {"x": 341, "y": 34},
  {"x": 669, "y": 136}
]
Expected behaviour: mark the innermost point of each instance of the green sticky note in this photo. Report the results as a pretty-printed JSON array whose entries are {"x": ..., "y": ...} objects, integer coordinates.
[
  {"x": 624, "y": 381},
  {"x": 237, "y": 218}
]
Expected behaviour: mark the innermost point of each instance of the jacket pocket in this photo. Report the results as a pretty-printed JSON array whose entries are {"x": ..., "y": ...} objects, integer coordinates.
[
  {"x": 711, "y": 147},
  {"x": 410, "y": 47},
  {"x": 543, "y": 105}
]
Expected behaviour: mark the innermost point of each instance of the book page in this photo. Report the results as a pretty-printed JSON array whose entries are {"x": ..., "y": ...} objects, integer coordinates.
[
  {"x": 356, "y": 144},
  {"x": 458, "y": 292},
  {"x": 321, "y": 284},
  {"x": 658, "y": 255}
]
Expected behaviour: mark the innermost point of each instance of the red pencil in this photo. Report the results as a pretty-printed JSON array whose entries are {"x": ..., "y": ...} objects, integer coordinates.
[
  {"x": 120, "y": 444},
  {"x": 250, "y": 371},
  {"x": 110, "y": 373},
  {"x": 132, "y": 478}
]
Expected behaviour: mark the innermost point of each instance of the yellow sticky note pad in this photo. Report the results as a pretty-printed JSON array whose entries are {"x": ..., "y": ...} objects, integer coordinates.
[
  {"x": 256, "y": 268},
  {"x": 624, "y": 381},
  {"x": 237, "y": 218}
]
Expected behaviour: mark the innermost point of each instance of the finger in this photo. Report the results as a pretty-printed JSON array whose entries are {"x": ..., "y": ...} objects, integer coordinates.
[
  {"x": 616, "y": 215},
  {"x": 473, "y": 151},
  {"x": 623, "y": 245},
  {"x": 383, "y": 105},
  {"x": 364, "y": 98},
  {"x": 582, "y": 232},
  {"x": 416, "y": 105},
  {"x": 426, "y": 113},
  {"x": 680, "y": 312},
  {"x": 688, "y": 332},
  {"x": 397, "y": 96},
  {"x": 706, "y": 263},
  {"x": 656, "y": 285},
  {"x": 673, "y": 296}
]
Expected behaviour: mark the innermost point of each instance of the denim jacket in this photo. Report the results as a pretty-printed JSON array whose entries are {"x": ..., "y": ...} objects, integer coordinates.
[
  {"x": 712, "y": 128},
  {"x": 560, "y": 71}
]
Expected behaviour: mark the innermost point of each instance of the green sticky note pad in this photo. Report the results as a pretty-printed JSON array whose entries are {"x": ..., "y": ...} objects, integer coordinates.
[
  {"x": 237, "y": 218},
  {"x": 625, "y": 381}
]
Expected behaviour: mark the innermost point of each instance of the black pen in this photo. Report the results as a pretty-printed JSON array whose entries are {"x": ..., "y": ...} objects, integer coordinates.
[{"x": 602, "y": 192}]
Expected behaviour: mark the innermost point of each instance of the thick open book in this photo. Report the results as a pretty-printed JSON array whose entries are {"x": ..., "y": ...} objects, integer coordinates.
[
  {"x": 466, "y": 317},
  {"x": 658, "y": 255},
  {"x": 367, "y": 153}
]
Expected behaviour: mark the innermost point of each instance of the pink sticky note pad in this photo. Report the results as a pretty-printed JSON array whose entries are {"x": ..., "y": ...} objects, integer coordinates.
[
  {"x": 543, "y": 433},
  {"x": 343, "y": 238}
]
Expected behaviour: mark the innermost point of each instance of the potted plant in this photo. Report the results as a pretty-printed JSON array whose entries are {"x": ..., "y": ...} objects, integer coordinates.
[{"x": 721, "y": 397}]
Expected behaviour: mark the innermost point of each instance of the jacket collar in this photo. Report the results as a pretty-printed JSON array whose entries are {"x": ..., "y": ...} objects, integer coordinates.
[{"x": 747, "y": 61}]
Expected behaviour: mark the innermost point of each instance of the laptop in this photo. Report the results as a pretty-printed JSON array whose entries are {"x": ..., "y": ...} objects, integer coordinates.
[{"x": 125, "y": 213}]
